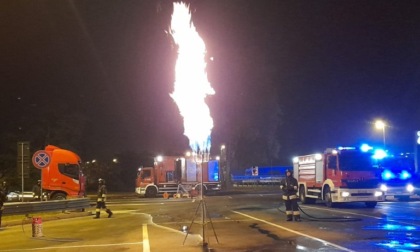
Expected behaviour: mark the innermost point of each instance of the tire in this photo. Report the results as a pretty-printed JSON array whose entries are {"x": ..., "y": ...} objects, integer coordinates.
[
  {"x": 327, "y": 197},
  {"x": 303, "y": 198},
  {"x": 371, "y": 204},
  {"x": 302, "y": 195},
  {"x": 59, "y": 196},
  {"x": 151, "y": 192}
]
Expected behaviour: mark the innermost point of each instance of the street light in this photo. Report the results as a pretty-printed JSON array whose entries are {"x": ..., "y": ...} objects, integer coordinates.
[
  {"x": 223, "y": 166},
  {"x": 381, "y": 125}
]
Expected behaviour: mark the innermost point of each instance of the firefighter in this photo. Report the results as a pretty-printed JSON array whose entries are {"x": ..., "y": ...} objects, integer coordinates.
[
  {"x": 5, "y": 188},
  {"x": 100, "y": 204},
  {"x": 36, "y": 189},
  {"x": 289, "y": 186},
  {"x": 3, "y": 198}
]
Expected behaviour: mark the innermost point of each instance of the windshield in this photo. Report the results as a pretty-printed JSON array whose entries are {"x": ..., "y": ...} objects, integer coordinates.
[
  {"x": 356, "y": 161},
  {"x": 71, "y": 170}
]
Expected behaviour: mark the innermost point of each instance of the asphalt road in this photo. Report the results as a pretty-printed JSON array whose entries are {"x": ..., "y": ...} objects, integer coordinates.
[{"x": 233, "y": 222}]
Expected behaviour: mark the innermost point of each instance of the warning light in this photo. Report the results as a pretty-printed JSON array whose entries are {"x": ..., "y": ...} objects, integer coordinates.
[{"x": 418, "y": 137}]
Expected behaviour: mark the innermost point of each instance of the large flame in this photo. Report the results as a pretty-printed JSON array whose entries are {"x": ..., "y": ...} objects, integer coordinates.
[{"x": 191, "y": 83}]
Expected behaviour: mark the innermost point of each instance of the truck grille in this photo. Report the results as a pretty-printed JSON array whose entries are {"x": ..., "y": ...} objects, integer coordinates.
[
  {"x": 361, "y": 194},
  {"x": 356, "y": 183}
]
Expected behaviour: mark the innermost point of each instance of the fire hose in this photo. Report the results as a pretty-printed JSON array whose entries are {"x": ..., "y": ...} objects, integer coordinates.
[{"x": 323, "y": 219}]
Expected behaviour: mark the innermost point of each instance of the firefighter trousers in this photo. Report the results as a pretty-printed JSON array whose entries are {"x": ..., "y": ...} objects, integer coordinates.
[
  {"x": 292, "y": 208},
  {"x": 101, "y": 205}
]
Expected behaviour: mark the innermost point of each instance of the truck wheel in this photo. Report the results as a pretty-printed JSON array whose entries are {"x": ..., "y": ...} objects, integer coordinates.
[
  {"x": 371, "y": 204},
  {"x": 328, "y": 198},
  {"x": 151, "y": 192},
  {"x": 59, "y": 196},
  {"x": 303, "y": 198},
  {"x": 302, "y": 195}
]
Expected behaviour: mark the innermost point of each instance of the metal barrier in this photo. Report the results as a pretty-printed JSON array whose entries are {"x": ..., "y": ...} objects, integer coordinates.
[{"x": 16, "y": 208}]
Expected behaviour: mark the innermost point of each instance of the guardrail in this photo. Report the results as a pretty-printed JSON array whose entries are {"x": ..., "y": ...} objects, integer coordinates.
[{"x": 16, "y": 208}]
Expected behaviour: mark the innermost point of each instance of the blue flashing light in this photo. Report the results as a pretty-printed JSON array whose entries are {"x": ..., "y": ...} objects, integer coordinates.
[
  {"x": 387, "y": 175},
  {"x": 365, "y": 147},
  {"x": 346, "y": 148},
  {"x": 405, "y": 175},
  {"x": 379, "y": 154}
]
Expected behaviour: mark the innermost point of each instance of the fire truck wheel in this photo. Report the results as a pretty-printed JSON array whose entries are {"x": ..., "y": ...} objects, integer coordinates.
[
  {"x": 59, "y": 196},
  {"x": 151, "y": 192},
  {"x": 327, "y": 197},
  {"x": 371, "y": 204},
  {"x": 303, "y": 198}
]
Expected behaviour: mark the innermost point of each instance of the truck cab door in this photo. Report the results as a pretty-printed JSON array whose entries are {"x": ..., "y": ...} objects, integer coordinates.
[
  {"x": 146, "y": 176},
  {"x": 332, "y": 169}
]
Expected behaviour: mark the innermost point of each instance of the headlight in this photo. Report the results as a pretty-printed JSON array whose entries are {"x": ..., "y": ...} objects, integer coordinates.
[
  {"x": 345, "y": 194},
  {"x": 383, "y": 188},
  {"x": 410, "y": 188},
  {"x": 378, "y": 193}
]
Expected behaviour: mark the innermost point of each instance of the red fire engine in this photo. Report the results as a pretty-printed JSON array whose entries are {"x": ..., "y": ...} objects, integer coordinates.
[{"x": 338, "y": 175}]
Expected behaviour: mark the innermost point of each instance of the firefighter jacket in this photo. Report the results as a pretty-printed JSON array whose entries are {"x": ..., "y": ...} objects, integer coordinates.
[
  {"x": 3, "y": 198},
  {"x": 289, "y": 185},
  {"x": 102, "y": 193}
]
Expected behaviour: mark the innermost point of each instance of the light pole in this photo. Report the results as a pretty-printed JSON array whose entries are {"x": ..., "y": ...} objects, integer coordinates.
[
  {"x": 381, "y": 125},
  {"x": 223, "y": 171}
]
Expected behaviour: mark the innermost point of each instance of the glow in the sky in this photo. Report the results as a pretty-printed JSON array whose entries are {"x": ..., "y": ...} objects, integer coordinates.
[{"x": 191, "y": 84}]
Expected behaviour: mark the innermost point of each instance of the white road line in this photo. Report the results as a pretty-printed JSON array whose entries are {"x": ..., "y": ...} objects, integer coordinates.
[
  {"x": 146, "y": 244},
  {"x": 364, "y": 215},
  {"x": 295, "y": 232},
  {"x": 76, "y": 246},
  {"x": 345, "y": 212}
]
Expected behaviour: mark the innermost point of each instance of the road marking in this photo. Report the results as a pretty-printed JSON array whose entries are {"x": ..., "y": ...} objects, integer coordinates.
[
  {"x": 364, "y": 215},
  {"x": 345, "y": 212},
  {"x": 146, "y": 244},
  {"x": 76, "y": 246},
  {"x": 295, "y": 232}
]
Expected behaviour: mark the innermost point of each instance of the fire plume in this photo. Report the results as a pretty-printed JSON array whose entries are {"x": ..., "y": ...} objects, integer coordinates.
[{"x": 191, "y": 85}]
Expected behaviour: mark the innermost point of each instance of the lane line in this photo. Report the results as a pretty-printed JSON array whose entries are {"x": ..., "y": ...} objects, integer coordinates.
[
  {"x": 344, "y": 212},
  {"x": 146, "y": 244},
  {"x": 295, "y": 232},
  {"x": 364, "y": 215},
  {"x": 75, "y": 246}
]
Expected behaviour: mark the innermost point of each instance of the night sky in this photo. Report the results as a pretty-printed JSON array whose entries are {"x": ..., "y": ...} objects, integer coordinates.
[{"x": 321, "y": 72}]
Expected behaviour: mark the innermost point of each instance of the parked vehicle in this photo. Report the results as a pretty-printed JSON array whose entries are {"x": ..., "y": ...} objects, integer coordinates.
[
  {"x": 17, "y": 196},
  {"x": 172, "y": 173},
  {"x": 262, "y": 175},
  {"x": 63, "y": 177},
  {"x": 398, "y": 176},
  {"x": 338, "y": 175}
]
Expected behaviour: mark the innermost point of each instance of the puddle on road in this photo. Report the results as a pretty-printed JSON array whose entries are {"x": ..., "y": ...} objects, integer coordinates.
[{"x": 402, "y": 238}]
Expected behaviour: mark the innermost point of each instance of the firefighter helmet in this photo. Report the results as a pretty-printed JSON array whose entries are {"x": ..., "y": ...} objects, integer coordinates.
[{"x": 101, "y": 181}]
